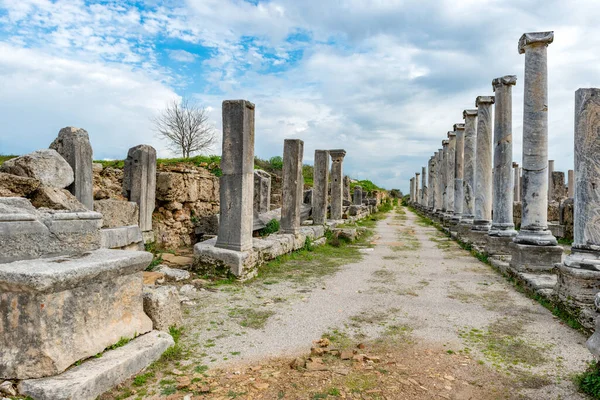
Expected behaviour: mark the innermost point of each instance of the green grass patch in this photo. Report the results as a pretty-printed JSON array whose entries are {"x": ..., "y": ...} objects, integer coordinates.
[
  {"x": 6, "y": 158},
  {"x": 251, "y": 318},
  {"x": 272, "y": 227},
  {"x": 589, "y": 381}
]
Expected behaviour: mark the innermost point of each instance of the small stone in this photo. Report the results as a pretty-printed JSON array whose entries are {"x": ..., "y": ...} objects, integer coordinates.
[
  {"x": 55, "y": 199},
  {"x": 324, "y": 342},
  {"x": 374, "y": 359},
  {"x": 173, "y": 274},
  {"x": 360, "y": 346},
  {"x": 8, "y": 388},
  {"x": 346, "y": 354},
  {"x": 17, "y": 186},
  {"x": 183, "y": 382},
  {"x": 316, "y": 366},
  {"x": 449, "y": 378},
  {"x": 298, "y": 363},
  {"x": 153, "y": 277},
  {"x": 261, "y": 386},
  {"x": 317, "y": 351}
]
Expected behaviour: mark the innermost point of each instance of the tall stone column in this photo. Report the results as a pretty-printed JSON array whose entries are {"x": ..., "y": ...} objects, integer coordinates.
[
  {"x": 236, "y": 182},
  {"x": 417, "y": 188},
  {"x": 139, "y": 185},
  {"x": 74, "y": 145},
  {"x": 579, "y": 276},
  {"x": 337, "y": 183},
  {"x": 439, "y": 191},
  {"x": 502, "y": 230},
  {"x": 550, "y": 180},
  {"x": 459, "y": 153},
  {"x": 534, "y": 226},
  {"x": 445, "y": 177},
  {"x": 470, "y": 155},
  {"x": 293, "y": 185},
  {"x": 320, "y": 187},
  {"x": 450, "y": 174},
  {"x": 412, "y": 190},
  {"x": 517, "y": 183},
  {"x": 431, "y": 183},
  {"x": 424, "y": 183},
  {"x": 571, "y": 189},
  {"x": 482, "y": 220}
]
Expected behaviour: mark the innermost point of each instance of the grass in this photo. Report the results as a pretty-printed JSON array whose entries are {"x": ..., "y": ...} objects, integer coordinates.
[
  {"x": 6, "y": 158},
  {"x": 251, "y": 318},
  {"x": 212, "y": 163},
  {"x": 589, "y": 381}
]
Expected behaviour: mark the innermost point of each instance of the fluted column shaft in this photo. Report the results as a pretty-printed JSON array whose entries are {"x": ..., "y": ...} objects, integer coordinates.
[
  {"x": 450, "y": 173},
  {"x": 468, "y": 212},
  {"x": 459, "y": 153},
  {"x": 483, "y": 166}
]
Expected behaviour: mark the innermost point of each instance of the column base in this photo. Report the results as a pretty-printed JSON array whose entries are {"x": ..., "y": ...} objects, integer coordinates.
[
  {"x": 481, "y": 225},
  {"x": 463, "y": 229},
  {"x": 453, "y": 222},
  {"x": 535, "y": 237},
  {"x": 498, "y": 245},
  {"x": 531, "y": 258},
  {"x": 478, "y": 239}
]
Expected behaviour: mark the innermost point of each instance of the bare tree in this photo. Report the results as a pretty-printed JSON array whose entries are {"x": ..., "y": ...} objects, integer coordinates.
[{"x": 185, "y": 127}]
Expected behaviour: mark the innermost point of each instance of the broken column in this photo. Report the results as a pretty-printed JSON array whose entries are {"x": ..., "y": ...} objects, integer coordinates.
[
  {"x": 482, "y": 214},
  {"x": 347, "y": 198},
  {"x": 459, "y": 152},
  {"x": 74, "y": 145},
  {"x": 139, "y": 184},
  {"x": 517, "y": 183},
  {"x": 358, "y": 195},
  {"x": 320, "y": 187},
  {"x": 579, "y": 276},
  {"x": 337, "y": 182},
  {"x": 412, "y": 189},
  {"x": 293, "y": 185},
  {"x": 468, "y": 212},
  {"x": 502, "y": 230},
  {"x": 262, "y": 191},
  {"x": 534, "y": 249},
  {"x": 236, "y": 183},
  {"x": 571, "y": 187}
]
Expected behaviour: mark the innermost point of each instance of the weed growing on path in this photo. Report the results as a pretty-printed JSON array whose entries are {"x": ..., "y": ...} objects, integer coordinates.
[
  {"x": 251, "y": 318},
  {"x": 589, "y": 381}
]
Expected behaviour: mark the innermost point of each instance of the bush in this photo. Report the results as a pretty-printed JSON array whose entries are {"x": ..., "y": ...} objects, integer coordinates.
[
  {"x": 272, "y": 227},
  {"x": 589, "y": 381},
  {"x": 276, "y": 162}
]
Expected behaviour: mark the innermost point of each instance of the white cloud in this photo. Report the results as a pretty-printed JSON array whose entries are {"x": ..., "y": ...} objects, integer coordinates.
[{"x": 182, "y": 56}]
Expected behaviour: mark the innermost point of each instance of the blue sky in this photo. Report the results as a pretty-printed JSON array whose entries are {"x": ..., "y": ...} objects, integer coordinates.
[{"x": 384, "y": 79}]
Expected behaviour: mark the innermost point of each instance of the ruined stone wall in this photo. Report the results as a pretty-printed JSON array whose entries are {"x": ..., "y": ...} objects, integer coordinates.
[{"x": 562, "y": 213}]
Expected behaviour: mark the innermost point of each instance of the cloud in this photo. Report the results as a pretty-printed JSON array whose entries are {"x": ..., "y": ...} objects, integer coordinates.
[{"x": 182, "y": 56}]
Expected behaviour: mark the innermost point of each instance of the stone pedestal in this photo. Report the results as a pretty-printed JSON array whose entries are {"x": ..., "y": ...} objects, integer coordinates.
[
  {"x": 139, "y": 182},
  {"x": 293, "y": 185},
  {"x": 578, "y": 286},
  {"x": 320, "y": 187},
  {"x": 64, "y": 309},
  {"x": 534, "y": 227},
  {"x": 74, "y": 145},
  {"x": 498, "y": 245},
  {"x": 337, "y": 183},
  {"x": 533, "y": 258},
  {"x": 237, "y": 181},
  {"x": 262, "y": 191}
]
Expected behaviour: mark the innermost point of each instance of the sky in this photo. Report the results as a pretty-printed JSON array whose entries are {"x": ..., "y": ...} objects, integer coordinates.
[{"x": 383, "y": 79}]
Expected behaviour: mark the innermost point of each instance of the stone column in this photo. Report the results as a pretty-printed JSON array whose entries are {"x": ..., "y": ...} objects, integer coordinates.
[
  {"x": 550, "y": 182},
  {"x": 293, "y": 185},
  {"x": 236, "y": 182},
  {"x": 424, "y": 183},
  {"x": 337, "y": 183},
  {"x": 320, "y": 187},
  {"x": 417, "y": 188},
  {"x": 571, "y": 189},
  {"x": 534, "y": 226},
  {"x": 139, "y": 184},
  {"x": 459, "y": 152},
  {"x": 470, "y": 155},
  {"x": 262, "y": 191},
  {"x": 444, "y": 175},
  {"x": 347, "y": 189},
  {"x": 412, "y": 189},
  {"x": 450, "y": 176},
  {"x": 431, "y": 183},
  {"x": 437, "y": 200},
  {"x": 579, "y": 276},
  {"x": 517, "y": 183},
  {"x": 73, "y": 144},
  {"x": 503, "y": 229},
  {"x": 357, "y": 195},
  {"x": 483, "y": 165}
]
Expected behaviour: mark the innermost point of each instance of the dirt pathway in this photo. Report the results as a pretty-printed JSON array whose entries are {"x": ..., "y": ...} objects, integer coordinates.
[{"x": 447, "y": 325}]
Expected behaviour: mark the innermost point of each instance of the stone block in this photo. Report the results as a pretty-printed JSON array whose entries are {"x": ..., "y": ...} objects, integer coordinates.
[
  {"x": 557, "y": 230},
  {"x": 73, "y": 144},
  {"x": 174, "y": 274},
  {"x": 121, "y": 237},
  {"x": 47, "y": 166},
  {"x": 117, "y": 213},
  {"x": 262, "y": 191},
  {"x": 498, "y": 245},
  {"x": 17, "y": 186},
  {"x": 98, "y": 375},
  {"x": 530, "y": 258},
  {"x": 553, "y": 211},
  {"x": 52, "y": 318},
  {"x": 56, "y": 199},
  {"x": 163, "y": 306}
]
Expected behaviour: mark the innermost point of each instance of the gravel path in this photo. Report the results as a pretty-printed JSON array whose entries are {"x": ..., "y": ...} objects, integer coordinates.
[{"x": 413, "y": 277}]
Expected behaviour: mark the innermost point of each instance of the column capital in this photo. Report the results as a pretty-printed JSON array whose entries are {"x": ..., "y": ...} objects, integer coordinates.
[
  {"x": 484, "y": 100},
  {"x": 542, "y": 38},
  {"x": 469, "y": 113},
  {"x": 458, "y": 127},
  {"x": 417, "y": 173},
  {"x": 451, "y": 135},
  {"x": 515, "y": 164},
  {"x": 337, "y": 154},
  {"x": 504, "y": 80},
  {"x": 444, "y": 143}
]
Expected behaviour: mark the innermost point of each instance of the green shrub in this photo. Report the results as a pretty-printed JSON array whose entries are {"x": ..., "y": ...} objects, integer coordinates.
[
  {"x": 272, "y": 227},
  {"x": 589, "y": 381},
  {"x": 276, "y": 162}
]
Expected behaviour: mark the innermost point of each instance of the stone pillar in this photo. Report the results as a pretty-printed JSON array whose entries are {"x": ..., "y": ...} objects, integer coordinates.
[
  {"x": 534, "y": 227},
  {"x": 559, "y": 190},
  {"x": 73, "y": 144},
  {"x": 358, "y": 195},
  {"x": 482, "y": 219},
  {"x": 502, "y": 230},
  {"x": 139, "y": 184},
  {"x": 459, "y": 152},
  {"x": 431, "y": 183},
  {"x": 517, "y": 183},
  {"x": 347, "y": 189},
  {"x": 236, "y": 183},
  {"x": 470, "y": 155},
  {"x": 579, "y": 276},
  {"x": 550, "y": 183},
  {"x": 571, "y": 190},
  {"x": 412, "y": 190},
  {"x": 450, "y": 162},
  {"x": 337, "y": 182},
  {"x": 417, "y": 188},
  {"x": 320, "y": 187},
  {"x": 535, "y": 249},
  {"x": 424, "y": 187},
  {"x": 444, "y": 175},
  {"x": 262, "y": 191},
  {"x": 439, "y": 190},
  {"x": 293, "y": 185}
]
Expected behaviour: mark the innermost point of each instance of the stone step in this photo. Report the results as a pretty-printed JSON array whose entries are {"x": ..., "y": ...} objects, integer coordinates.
[{"x": 98, "y": 375}]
